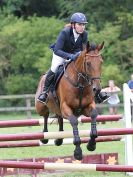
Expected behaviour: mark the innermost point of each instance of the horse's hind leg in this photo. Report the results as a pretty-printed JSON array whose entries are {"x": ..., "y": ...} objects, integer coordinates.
[
  {"x": 76, "y": 141},
  {"x": 45, "y": 129},
  {"x": 91, "y": 146},
  {"x": 59, "y": 142}
]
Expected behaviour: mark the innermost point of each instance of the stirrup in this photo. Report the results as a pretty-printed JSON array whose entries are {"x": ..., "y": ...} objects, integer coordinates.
[
  {"x": 44, "y": 98},
  {"x": 43, "y": 102}
]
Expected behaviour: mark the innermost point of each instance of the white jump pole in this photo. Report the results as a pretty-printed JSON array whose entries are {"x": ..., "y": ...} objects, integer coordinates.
[
  {"x": 128, "y": 96},
  {"x": 66, "y": 166}
]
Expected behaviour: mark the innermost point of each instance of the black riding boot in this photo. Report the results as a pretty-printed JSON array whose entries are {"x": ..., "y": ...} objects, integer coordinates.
[
  {"x": 101, "y": 96},
  {"x": 49, "y": 79}
]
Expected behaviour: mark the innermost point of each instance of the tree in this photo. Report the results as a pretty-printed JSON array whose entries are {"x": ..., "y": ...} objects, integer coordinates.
[
  {"x": 30, "y": 55},
  {"x": 25, "y": 8},
  {"x": 98, "y": 12},
  {"x": 24, "y": 51}
]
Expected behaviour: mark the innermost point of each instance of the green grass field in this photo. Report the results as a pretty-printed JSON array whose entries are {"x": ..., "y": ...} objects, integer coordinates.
[{"x": 46, "y": 151}]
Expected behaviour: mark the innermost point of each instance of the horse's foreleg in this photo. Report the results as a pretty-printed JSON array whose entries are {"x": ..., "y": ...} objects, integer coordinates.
[
  {"x": 91, "y": 146},
  {"x": 45, "y": 129},
  {"x": 59, "y": 142},
  {"x": 76, "y": 141}
]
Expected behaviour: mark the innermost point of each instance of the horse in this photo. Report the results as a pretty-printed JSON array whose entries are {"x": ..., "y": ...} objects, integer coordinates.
[{"x": 76, "y": 94}]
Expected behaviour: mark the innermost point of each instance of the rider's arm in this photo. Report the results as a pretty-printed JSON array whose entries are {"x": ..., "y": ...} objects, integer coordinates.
[{"x": 58, "y": 50}]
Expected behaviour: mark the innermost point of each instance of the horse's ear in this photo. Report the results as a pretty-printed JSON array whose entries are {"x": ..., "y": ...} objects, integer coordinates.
[
  {"x": 99, "y": 47},
  {"x": 87, "y": 46}
]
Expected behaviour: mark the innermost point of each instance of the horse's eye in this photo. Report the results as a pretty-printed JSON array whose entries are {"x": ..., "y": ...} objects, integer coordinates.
[{"x": 88, "y": 64}]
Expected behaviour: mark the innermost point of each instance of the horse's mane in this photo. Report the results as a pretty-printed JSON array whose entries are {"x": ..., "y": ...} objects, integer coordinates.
[{"x": 89, "y": 46}]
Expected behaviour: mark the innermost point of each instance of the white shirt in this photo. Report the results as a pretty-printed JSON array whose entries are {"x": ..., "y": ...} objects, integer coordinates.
[
  {"x": 76, "y": 35},
  {"x": 114, "y": 99}
]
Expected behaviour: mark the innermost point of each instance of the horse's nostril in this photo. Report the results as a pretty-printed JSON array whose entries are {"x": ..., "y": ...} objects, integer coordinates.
[{"x": 94, "y": 89}]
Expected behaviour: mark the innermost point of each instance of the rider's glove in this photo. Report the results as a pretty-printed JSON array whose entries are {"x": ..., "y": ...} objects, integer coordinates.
[{"x": 73, "y": 57}]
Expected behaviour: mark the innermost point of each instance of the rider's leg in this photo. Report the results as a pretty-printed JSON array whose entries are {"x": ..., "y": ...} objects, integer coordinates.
[
  {"x": 56, "y": 61},
  {"x": 49, "y": 79}
]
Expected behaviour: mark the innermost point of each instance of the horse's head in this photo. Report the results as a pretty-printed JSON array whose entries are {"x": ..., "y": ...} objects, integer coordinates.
[{"x": 92, "y": 64}]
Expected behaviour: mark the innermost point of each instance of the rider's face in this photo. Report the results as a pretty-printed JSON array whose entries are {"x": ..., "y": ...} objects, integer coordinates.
[{"x": 79, "y": 27}]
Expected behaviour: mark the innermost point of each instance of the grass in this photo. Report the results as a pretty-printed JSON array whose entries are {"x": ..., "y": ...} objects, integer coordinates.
[{"x": 46, "y": 151}]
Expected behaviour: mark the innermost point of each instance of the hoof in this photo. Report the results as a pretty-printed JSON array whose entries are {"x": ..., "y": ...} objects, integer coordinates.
[
  {"x": 45, "y": 141},
  {"x": 78, "y": 154},
  {"x": 58, "y": 142},
  {"x": 91, "y": 146}
]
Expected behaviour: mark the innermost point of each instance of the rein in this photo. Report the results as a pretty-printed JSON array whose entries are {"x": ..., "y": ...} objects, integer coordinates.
[{"x": 80, "y": 75}]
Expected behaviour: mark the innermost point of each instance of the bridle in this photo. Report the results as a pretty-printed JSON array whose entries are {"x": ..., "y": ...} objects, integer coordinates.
[
  {"x": 85, "y": 65},
  {"x": 87, "y": 80}
]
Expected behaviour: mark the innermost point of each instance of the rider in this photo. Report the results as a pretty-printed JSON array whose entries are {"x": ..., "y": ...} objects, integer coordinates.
[{"x": 68, "y": 46}]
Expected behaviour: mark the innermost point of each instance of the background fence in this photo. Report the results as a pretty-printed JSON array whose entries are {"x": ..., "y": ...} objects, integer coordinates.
[
  {"x": 28, "y": 106},
  {"x": 28, "y": 103}
]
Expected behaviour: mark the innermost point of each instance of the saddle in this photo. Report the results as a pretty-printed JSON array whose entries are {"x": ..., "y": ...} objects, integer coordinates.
[{"x": 56, "y": 81}]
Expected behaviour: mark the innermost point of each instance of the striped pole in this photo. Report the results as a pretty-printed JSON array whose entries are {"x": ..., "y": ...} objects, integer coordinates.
[
  {"x": 38, "y": 122},
  {"x": 51, "y": 142},
  {"x": 64, "y": 134},
  {"x": 66, "y": 166}
]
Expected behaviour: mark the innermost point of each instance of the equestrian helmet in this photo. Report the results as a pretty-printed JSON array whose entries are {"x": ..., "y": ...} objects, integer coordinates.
[{"x": 78, "y": 18}]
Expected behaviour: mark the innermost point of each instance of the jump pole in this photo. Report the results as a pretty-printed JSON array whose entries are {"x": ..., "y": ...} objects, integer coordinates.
[
  {"x": 51, "y": 142},
  {"x": 66, "y": 166},
  {"x": 128, "y": 97},
  {"x": 64, "y": 134},
  {"x": 38, "y": 122}
]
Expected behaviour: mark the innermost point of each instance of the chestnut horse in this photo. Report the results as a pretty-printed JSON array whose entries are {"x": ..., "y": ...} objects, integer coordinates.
[{"x": 76, "y": 95}]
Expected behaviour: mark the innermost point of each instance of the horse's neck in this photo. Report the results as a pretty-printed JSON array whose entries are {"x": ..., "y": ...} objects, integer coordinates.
[
  {"x": 74, "y": 68},
  {"x": 76, "y": 71},
  {"x": 79, "y": 64}
]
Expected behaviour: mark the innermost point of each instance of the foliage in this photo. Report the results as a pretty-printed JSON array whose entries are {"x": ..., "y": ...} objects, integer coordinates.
[
  {"x": 18, "y": 84},
  {"x": 112, "y": 72},
  {"x": 126, "y": 22},
  {"x": 28, "y": 53},
  {"x": 24, "y": 41},
  {"x": 117, "y": 53},
  {"x": 98, "y": 12},
  {"x": 27, "y": 8}
]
